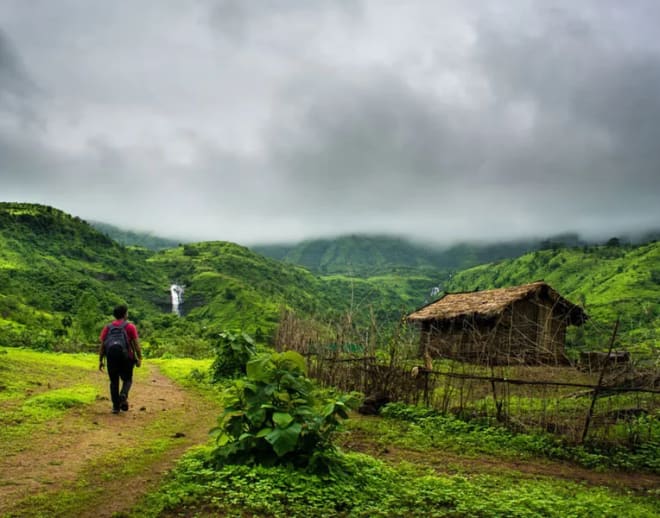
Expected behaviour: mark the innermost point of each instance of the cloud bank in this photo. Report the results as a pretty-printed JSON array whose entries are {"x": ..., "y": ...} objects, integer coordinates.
[{"x": 263, "y": 122}]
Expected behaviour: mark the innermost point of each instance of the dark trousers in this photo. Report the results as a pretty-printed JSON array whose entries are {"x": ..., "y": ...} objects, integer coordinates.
[{"x": 120, "y": 368}]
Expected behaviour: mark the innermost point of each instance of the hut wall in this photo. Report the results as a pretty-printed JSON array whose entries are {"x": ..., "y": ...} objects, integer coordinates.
[
  {"x": 460, "y": 339},
  {"x": 535, "y": 333},
  {"x": 517, "y": 332},
  {"x": 528, "y": 331},
  {"x": 552, "y": 334}
]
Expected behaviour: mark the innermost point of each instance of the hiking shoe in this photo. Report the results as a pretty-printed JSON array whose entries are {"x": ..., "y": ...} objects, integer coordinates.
[
  {"x": 123, "y": 403},
  {"x": 115, "y": 410}
]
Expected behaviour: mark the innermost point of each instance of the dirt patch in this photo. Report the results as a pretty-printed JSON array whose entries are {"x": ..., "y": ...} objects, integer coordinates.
[
  {"x": 59, "y": 458},
  {"x": 446, "y": 462}
]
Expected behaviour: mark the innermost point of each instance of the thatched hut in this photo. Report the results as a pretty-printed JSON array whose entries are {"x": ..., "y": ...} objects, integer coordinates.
[{"x": 520, "y": 324}]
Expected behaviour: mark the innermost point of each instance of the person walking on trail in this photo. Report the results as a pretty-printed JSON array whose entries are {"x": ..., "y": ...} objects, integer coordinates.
[{"x": 120, "y": 347}]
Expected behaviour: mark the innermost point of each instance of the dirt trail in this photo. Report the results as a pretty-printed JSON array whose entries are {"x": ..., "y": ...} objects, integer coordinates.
[
  {"x": 446, "y": 462},
  {"x": 73, "y": 451}
]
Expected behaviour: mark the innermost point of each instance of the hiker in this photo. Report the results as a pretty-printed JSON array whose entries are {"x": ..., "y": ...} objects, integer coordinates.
[{"x": 119, "y": 344}]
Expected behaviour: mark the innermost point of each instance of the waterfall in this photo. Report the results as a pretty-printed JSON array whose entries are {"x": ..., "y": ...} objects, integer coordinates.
[{"x": 176, "y": 293}]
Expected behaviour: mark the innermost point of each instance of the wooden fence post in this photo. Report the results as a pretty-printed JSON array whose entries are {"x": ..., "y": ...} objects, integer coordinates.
[{"x": 598, "y": 387}]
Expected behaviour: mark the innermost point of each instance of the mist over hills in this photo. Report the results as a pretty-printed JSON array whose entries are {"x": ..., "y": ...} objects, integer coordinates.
[
  {"x": 363, "y": 255},
  {"x": 134, "y": 238}
]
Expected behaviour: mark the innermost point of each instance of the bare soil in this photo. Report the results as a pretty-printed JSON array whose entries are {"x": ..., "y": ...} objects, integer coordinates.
[{"x": 73, "y": 452}]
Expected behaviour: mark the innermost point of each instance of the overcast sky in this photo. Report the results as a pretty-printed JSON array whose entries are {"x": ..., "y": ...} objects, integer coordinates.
[{"x": 261, "y": 121}]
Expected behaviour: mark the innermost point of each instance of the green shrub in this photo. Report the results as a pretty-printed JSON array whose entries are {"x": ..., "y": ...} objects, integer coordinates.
[
  {"x": 275, "y": 413},
  {"x": 232, "y": 352}
]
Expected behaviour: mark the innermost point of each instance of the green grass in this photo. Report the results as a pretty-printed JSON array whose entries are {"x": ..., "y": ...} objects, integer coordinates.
[
  {"x": 25, "y": 371},
  {"x": 184, "y": 370},
  {"x": 370, "y": 488},
  {"x": 358, "y": 486},
  {"x": 42, "y": 391},
  {"x": 421, "y": 429},
  {"x": 39, "y": 388}
]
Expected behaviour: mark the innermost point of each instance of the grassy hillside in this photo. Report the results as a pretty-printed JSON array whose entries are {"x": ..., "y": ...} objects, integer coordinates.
[
  {"x": 227, "y": 283},
  {"x": 609, "y": 281},
  {"x": 60, "y": 278},
  {"x": 54, "y": 267}
]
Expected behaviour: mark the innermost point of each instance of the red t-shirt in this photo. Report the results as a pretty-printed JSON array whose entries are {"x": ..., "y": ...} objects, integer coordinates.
[
  {"x": 131, "y": 332},
  {"x": 130, "y": 328}
]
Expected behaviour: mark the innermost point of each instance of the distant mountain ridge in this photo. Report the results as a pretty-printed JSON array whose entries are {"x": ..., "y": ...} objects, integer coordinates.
[
  {"x": 365, "y": 255},
  {"x": 134, "y": 238},
  {"x": 368, "y": 255}
]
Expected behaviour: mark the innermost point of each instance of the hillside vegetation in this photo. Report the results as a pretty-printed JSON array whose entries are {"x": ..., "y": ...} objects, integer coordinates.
[
  {"x": 61, "y": 277},
  {"x": 228, "y": 283},
  {"x": 609, "y": 281}
]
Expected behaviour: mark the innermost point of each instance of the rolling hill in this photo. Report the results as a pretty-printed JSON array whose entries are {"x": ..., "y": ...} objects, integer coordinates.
[{"x": 59, "y": 275}]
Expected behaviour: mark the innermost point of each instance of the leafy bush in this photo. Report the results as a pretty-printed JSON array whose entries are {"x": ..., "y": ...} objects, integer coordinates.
[
  {"x": 232, "y": 352},
  {"x": 276, "y": 413}
]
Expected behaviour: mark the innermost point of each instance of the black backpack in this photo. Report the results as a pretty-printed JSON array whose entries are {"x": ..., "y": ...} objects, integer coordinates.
[{"x": 115, "y": 344}]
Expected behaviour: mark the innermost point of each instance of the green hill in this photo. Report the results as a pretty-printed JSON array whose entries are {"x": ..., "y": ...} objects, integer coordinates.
[
  {"x": 226, "y": 282},
  {"x": 60, "y": 278},
  {"x": 55, "y": 267},
  {"x": 609, "y": 281}
]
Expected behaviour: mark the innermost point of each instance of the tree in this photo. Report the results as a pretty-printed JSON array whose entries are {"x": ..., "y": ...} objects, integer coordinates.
[{"x": 87, "y": 316}]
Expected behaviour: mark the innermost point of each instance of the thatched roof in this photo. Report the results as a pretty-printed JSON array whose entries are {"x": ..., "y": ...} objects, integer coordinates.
[{"x": 492, "y": 303}]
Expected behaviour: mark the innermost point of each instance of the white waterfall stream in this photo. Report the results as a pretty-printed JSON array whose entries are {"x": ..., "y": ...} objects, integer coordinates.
[{"x": 176, "y": 293}]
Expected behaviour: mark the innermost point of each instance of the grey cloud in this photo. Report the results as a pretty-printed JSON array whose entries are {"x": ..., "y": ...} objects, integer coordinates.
[
  {"x": 598, "y": 105},
  {"x": 238, "y": 20},
  {"x": 255, "y": 121},
  {"x": 18, "y": 92},
  {"x": 373, "y": 142},
  {"x": 13, "y": 77}
]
